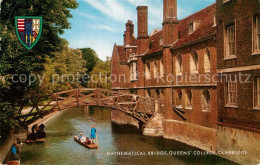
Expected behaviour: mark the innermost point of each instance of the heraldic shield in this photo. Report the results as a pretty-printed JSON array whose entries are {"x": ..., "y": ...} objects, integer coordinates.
[{"x": 28, "y": 30}]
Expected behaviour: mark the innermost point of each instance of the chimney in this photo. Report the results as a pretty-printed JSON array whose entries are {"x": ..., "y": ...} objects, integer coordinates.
[
  {"x": 142, "y": 21},
  {"x": 129, "y": 32},
  {"x": 170, "y": 21}
]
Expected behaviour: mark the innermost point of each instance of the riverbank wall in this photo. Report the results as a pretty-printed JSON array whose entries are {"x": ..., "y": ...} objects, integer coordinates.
[
  {"x": 121, "y": 118},
  {"x": 5, "y": 148}
]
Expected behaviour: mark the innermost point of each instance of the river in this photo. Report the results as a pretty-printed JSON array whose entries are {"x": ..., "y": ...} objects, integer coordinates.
[{"x": 60, "y": 148}]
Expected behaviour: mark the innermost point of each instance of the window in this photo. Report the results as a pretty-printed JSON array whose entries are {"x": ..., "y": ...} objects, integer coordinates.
[
  {"x": 161, "y": 40},
  {"x": 230, "y": 37},
  {"x": 161, "y": 68},
  {"x": 155, "y": 69},
  {"x": 257, "y": 93},
  {"x": 256, "y": 34},
  {"x": 191, "y": 27},
  {"x": 178, "y": 65},
  {"x": 194, "y": 62},
  {"x": 188, "y": 99},
  {"x": 231, "y": 92},
  {"x": 207, "y": 60},
  {"x": 205, "y": 100},
  {"x": 133, "y": 71},
  {"x": 147, "y": 71}
]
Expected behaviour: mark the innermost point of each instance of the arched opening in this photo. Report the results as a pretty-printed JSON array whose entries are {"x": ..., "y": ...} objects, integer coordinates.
[
  {"x": 188, "y": 99},
  {"x": 207, "y": 65},
  {"x": 205, "y": 100},
  {"x": 194, "y": 62},
  {"x": 178, "y": 64}
]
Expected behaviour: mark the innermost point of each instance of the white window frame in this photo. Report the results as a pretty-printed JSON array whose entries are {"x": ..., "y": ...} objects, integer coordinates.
[
  {"x": 230, "y": 100},
  {"x": 191, "y": 27},
  {"x": 229, "y": 40},
  {"x": 256, "y": 34},
  {"x": 257, "y": 93}
]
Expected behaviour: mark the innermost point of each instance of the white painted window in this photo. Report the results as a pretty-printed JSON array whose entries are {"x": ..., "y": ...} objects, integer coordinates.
[
  {"x": 230, "y": 38},
  {"x": 194, "y": 59},
  {"x": 256, "y": 34},
  {"x": 257, "y": 93},
  {"x": 191, "y": 27},
  {"x": 207, "y": 60},
  {"x": 178, "y": 64},
  {"x": 231, "y": 92}
]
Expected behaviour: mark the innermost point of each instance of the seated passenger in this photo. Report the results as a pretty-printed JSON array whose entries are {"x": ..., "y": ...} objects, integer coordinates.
[
  {"x": 88, "y": 142},
  {"x": 40, "y": 132},
  {"x": 80, "y": 135}
]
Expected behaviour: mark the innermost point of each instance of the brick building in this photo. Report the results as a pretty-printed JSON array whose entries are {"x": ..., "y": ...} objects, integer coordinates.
[
  {"x": 181, "y": 64},
  {"x": 239, "y": 91},
  {"x": 152, "y": 65}
]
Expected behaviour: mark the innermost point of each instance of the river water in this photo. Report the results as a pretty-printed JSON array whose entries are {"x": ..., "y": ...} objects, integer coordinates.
[{"x": 60, "y": 148}]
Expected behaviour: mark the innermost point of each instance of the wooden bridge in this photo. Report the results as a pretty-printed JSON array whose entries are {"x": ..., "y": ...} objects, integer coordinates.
[{"x": 140, "y": 108}]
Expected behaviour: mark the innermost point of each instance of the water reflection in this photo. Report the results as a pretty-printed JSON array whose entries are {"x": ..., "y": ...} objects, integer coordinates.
[{"x": 60, "y": 147}]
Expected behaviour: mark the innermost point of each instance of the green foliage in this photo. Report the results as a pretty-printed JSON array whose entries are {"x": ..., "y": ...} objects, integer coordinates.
[
  {"x": 100, "y": 75},
  {"x": 62, "y": 68},
  {"x": 90, "y": 57},
  {"x": 16, "y": 59},
  {"x": 6, "y": 123}
]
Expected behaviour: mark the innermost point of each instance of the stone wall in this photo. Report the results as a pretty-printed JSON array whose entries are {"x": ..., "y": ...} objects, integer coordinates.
[
  {"x": 123, "y": 119},
  {"x": 232, "y": 139},
  {"x": 191, "y": 134}
]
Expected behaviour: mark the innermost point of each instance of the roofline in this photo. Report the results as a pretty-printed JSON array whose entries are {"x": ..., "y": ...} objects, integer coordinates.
[
  {"x": 194, "y": 42},
  {"x": 197, "y": 11}
]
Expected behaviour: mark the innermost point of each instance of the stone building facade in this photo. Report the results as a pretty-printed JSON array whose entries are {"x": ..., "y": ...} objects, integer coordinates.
[{"x": 181, "y": 63}]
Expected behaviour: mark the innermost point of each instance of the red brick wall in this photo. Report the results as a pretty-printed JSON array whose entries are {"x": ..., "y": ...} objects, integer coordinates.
[{"x": 242, "y": 12}]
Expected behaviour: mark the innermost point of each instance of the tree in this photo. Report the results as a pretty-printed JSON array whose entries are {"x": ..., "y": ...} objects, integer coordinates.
[
  {"x": 90, "y": 57},
  {"x": 15, "y": 59},
  {"x": 64, "y": 71},
  {"x": 100, "y": 75}
]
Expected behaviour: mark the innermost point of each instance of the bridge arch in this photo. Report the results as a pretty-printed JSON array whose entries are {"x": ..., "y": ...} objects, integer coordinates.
[{"x": 140, "y": 108}]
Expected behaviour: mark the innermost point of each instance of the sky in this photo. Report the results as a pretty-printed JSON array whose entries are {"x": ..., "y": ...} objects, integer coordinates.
[{"x": 99, "y": 24}]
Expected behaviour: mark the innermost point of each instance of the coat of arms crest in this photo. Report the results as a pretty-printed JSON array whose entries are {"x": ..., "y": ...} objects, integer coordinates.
[{"x": 28, "y": 30}]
